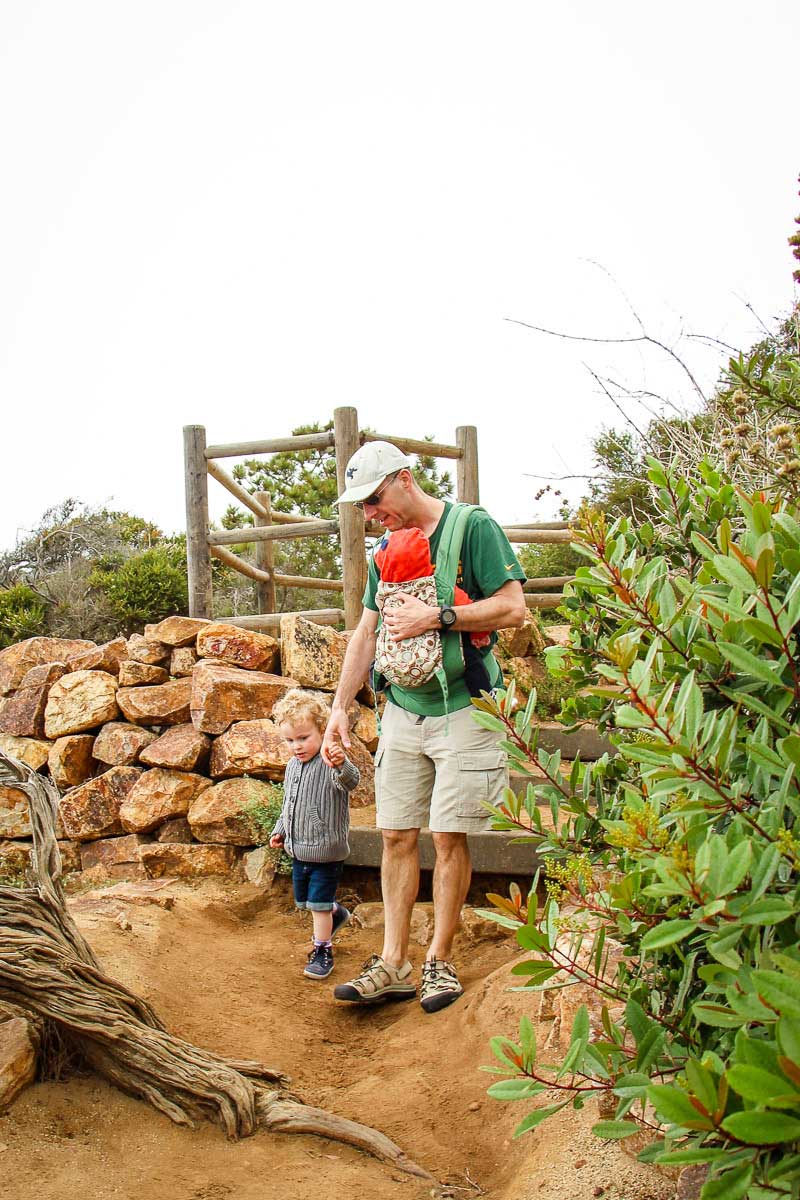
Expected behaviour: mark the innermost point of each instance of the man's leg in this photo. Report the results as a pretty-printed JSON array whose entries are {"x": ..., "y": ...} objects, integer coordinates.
[
  {"x": 451, "y": 876},
  {"x": 470, "y": 770},
  {"x": 399, "y": 885}
]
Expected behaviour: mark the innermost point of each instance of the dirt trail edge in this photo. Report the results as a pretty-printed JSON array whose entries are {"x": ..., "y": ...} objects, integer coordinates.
[{"x": 47, "y": 967}]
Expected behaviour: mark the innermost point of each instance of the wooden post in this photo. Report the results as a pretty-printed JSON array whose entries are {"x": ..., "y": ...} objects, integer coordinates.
[
  {"x": 351, "y": 519},
  {"x": 265, "y": 558},
  {"x": 198, "y": 559},
  {"x": 467, "y": 487}
]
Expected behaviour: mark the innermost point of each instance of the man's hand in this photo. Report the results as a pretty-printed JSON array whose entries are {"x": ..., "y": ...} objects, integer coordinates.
[
  {"x": 336, "y": 739},
  {"x": 275, "y": 841},
  {"x": 409, "y": 617}
]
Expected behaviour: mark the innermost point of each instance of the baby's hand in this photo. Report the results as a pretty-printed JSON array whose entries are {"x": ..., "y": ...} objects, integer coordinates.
[
  {"x": 275, "y": 841},
  {"x": 336, "y": 754}
]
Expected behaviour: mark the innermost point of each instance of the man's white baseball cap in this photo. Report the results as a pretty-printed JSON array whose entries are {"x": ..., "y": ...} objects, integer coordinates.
[{"x": 368, "y": 468}]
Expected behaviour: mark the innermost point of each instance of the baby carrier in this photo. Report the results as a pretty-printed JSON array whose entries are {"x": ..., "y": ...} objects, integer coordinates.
[{"x": 413, "y": 662}]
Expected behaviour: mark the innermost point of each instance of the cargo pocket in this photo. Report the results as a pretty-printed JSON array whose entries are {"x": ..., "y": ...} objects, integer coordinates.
[
  {"x": 483, "y": 775},
  {"x": 378, "y": 777}
]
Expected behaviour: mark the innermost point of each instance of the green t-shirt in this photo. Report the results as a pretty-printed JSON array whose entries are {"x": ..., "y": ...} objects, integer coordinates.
[{"x": 487, "y": 562}]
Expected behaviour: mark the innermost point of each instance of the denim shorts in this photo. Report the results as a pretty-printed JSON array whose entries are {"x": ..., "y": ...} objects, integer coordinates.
[{"x": 315, "y": 884}]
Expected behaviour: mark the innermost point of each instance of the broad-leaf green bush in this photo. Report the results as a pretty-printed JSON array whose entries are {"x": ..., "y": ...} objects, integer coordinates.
[{"x": 673, "y": 887}]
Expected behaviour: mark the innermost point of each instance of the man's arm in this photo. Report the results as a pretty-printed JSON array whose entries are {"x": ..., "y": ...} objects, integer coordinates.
[
  {"x": 357, "y": 661},
  {"x": 505, "y": 609}
]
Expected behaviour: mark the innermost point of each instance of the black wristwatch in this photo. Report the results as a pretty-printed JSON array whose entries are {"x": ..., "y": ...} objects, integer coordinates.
[{"x": 447, "y": 616}]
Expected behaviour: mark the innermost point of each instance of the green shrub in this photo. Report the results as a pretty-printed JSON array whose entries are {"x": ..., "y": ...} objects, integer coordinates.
[
  {"x": 145, "y": 587},
  {"x": 684, "y": 848},
  {"x": 22, "y": 614},
  {"x": 261, "y": 815}
]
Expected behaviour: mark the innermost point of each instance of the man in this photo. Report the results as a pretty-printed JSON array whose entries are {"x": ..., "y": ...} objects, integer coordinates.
[{"x": 434, "y": 765}]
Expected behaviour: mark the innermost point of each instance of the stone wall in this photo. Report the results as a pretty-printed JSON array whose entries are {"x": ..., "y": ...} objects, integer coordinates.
[{"x": 158, "y": 743}]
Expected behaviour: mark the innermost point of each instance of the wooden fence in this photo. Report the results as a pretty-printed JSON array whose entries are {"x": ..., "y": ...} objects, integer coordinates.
[{"x": 202, "y": 461}]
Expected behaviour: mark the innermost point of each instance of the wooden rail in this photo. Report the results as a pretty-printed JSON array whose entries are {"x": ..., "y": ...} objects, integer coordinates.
[
  {"x": 547, "y": 581},
  {"x": 534, "y": 535},
  {"x": 300, "y": 441},
  {"x": 321, "y": 616},
  {"x": 271, "y": 526},
  {"x": 271, "y": 533},
  {"x": 543, "y": 599},
  {"x": 414, "y": 445}
]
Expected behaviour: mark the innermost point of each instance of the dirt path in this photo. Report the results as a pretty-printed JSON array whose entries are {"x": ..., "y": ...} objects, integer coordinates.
[{"x": 228, "y": 977}]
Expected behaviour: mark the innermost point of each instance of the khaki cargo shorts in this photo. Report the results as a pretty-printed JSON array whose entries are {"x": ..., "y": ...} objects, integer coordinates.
[{"x": 426, "y": 777}]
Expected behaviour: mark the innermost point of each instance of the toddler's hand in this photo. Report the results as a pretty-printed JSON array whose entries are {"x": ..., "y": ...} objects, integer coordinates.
[
  {"x": 336, "y": 754},
  {"x": 275, "y": 841}
]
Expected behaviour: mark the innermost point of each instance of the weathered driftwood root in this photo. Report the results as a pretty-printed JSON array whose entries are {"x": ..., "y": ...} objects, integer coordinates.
[{"x": 47, "y": 968}]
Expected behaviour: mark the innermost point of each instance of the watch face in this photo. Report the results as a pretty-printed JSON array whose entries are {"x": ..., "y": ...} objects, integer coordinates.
[{"x": 447, "y": 616}]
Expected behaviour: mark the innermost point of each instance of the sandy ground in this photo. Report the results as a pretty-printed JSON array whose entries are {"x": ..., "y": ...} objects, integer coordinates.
[{"x": 228, "y": 975}]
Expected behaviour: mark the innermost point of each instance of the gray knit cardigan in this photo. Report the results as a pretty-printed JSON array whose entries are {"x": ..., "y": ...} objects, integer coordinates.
[{"x": 315, "y": 818}]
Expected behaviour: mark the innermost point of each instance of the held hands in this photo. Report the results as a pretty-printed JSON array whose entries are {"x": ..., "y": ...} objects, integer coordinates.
[
  {"x": 409, "y": 617},
  {"x": 336, "y": 754},
  {"x": 337, "y": 739}
]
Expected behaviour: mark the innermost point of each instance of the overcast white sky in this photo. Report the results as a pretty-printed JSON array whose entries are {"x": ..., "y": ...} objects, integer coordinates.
[{"x": 244, "y": 214}]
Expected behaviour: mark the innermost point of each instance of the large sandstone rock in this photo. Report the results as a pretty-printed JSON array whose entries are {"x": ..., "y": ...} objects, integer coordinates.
[
  {"x": 43, "y": 676},
  {"x": 15, "y": 821},
  {"x": 521, "y": 643},
  {"x": 79, "y": 701},
  {"x": 17, "y": 660},
  {"x": 561, "y": 1003},
  {"x": 70, "y": 760},
  {"x": 222, "y": 695},
  {"x": 187, "y": 862},
  {"x": 158, "y": 795},
  {"x": 118, "y": 744},
  {"x": 557, "y": 635},
  {"x": 360, "y": 755},
  {"x": 114, "y": 853},
  {"x": 182, "y": 748},
  {"x": 102, "y": 658},
  {"x": 177, "y": 631},
  {"x": 143, "y": 650},
  {"x": 250, "y": 748},
  {"x": 177, "y": 829},
  {"x": 33, "y": 751},
  {"x": 22, "y": 714},
  {"x": 238, "y": 647},
  {"x": 91, "y": 810},
  {"x": 370, "y": 915},
  {"x": 18, "y": 1048},
  {"x": 163, "y": 704},
  {"x": 311, "y": 654},
  {"x": 181, "y": 661},
  {"x": 220, "y": 814},
  {"x": 134, "y": 674},
  {"x": 259, "y": 866},
  {"x": 366, "y": 728},
  {"x": 527, "y": 673}
]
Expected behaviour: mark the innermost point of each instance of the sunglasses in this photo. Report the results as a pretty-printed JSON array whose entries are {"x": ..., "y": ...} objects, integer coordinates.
[{"x": 375, "y": 497}]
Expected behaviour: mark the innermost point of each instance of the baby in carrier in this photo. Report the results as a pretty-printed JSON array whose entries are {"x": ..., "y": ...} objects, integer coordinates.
[{"x": 404, "y": 557}]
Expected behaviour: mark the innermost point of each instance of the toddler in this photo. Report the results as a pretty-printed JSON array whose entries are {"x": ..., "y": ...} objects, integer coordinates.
[{"x": 314, "y": 820}]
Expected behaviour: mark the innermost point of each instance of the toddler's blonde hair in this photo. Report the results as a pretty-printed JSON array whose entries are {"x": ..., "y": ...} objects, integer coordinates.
[{"x": 298, "y": 705}]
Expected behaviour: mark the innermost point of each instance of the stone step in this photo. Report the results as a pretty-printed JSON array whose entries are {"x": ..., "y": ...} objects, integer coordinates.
[
  {"x": 493, "y": 853},
  {"x": 586, "y": 741}
]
